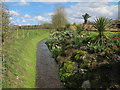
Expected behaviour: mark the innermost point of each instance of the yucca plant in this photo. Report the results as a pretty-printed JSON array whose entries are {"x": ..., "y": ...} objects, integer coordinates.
[{"x": 101, "y": 24}]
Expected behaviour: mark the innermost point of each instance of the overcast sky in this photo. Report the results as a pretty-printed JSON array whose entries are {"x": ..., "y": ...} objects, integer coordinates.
[{"x": 40, "y": 12}]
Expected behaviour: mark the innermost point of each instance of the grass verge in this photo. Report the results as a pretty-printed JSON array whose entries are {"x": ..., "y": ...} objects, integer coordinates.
[{"x": 19, "y": 67}]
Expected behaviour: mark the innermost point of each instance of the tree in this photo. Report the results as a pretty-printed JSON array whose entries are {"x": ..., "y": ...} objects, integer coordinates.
[
  {"x": 59, "y": 18},
  {"x": 86, "y": 16},
  {"x": 0, "y": 20},
  {"x": 5, "y": 23}
]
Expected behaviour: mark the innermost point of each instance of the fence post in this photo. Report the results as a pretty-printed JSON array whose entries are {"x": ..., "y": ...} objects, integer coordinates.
[
  {"x": 17, "y": 33},
  {"x": 27, "y": 33},
  {"x": 23, "y": 33},
  {"x": 7, "y": 39}
]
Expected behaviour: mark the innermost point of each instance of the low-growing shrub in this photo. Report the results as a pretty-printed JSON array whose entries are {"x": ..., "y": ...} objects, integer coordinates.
[
  {"x": 90, "y": 38},
  {"x": 77, "y": 40},
  {"x": 67, "y": 70},
  {"x": 96, "y": 47},
  {"x": 55, "y": 52}
]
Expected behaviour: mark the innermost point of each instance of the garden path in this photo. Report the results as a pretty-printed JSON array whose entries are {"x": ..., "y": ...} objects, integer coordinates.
[{"x": 46, "y": 68}]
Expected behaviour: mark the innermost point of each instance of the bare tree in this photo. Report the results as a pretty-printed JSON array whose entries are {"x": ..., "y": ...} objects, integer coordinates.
[{"x": 59, "y": 18}]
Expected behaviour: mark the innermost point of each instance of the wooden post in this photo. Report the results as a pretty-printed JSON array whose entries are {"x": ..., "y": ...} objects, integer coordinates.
[
  {"x": 7, "y": 39},
  {"x": 3, "y": 57},
  {"x": 27, "y": 33},
  {"x": 23, "y": 33},
  {"x": 17, "y": 33}
]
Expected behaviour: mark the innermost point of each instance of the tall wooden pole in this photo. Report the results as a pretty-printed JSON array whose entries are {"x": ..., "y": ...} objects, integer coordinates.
[
  {"x": 27, "y": 33},
  {"x": 17, "y": 33},
  {"x": 23, "y": 33}
]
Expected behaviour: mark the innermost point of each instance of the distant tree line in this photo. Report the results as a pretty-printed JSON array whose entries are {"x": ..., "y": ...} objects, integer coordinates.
[{"x": 30, "y": 27}]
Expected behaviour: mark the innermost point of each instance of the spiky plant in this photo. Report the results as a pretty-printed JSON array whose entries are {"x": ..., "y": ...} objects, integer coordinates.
[{"x": 101, "y": 24}]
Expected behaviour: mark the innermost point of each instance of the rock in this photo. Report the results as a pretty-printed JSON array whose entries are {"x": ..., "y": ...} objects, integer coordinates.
[
  {"x": 86, "y": 84},
  {"x": 116, "y": 58}
]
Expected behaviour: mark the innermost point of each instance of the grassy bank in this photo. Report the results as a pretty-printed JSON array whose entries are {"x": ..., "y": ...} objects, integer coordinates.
[
  {"x": 19, "y": 67},
  {"x": 107, "y": 33}
]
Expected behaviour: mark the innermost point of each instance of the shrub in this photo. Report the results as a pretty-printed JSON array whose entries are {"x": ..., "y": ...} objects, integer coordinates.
[
  {"x": 60, "y": 29},
  {"x": 77, "y": 56},
  {"x": 79, "y": 29},
  {"x": 77, "y": 40},
  {"x": 55, "y": 52},
  {"x": 90, "y": 38},
  {"x": 67, "y": 70}
]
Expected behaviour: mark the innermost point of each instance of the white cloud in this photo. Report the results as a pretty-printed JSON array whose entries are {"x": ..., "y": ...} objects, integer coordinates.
[
  {"x": 28, "y": 24},
  {"x": 11, "y": 18},
  {"x": 64, "y": 0},
  {"x": 13, "y": 23},
  {"x": 23, "y": 2},
  {"x": 5, "y": 0},
  {"x": 38, "y": 19},
  {"x": 94, "y": 9},
  {"x": 23, "y": 21},
  {"x": 72, "y": 0},
  {"x": 26, "y": 15},
  {"x": 50, "y": 14},
  {"x": 18, "y": 20},
  {"x": 14, "y": 13}
]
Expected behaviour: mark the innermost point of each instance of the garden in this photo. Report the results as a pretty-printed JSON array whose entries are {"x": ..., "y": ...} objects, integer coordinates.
[
  {"x": 87, "y": 54},
  {"x": 87, "y": 58}
]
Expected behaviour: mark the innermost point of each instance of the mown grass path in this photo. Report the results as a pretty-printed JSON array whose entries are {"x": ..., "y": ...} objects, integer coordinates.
[{"x": 46, "y": 69}]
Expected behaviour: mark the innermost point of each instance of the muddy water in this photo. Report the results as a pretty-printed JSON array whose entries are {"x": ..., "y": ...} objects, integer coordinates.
[{"x": 46, "y": 68}]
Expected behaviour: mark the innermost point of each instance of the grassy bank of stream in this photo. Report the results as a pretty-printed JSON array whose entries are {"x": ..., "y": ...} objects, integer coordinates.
[{"x": 19, "y": 65}]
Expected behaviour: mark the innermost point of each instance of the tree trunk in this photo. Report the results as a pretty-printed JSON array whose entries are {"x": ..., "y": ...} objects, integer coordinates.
[
  {"x": 100, "y": 35},
  {"x": 83, "y": 26}
]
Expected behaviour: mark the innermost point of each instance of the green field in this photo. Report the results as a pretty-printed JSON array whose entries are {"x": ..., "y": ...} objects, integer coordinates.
[
  {"x": 107, "y": 33},
  {"x": 19, "y": 67}
]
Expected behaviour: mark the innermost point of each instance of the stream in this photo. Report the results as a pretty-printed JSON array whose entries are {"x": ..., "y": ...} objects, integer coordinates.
[{"x": 47, "y": 72}]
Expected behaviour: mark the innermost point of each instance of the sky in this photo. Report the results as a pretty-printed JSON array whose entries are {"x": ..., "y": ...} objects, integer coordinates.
[{"x": 27, "y": 13}]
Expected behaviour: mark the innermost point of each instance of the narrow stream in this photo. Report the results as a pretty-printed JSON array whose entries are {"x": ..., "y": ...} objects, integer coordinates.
[{"x": 46, "y": 68}]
